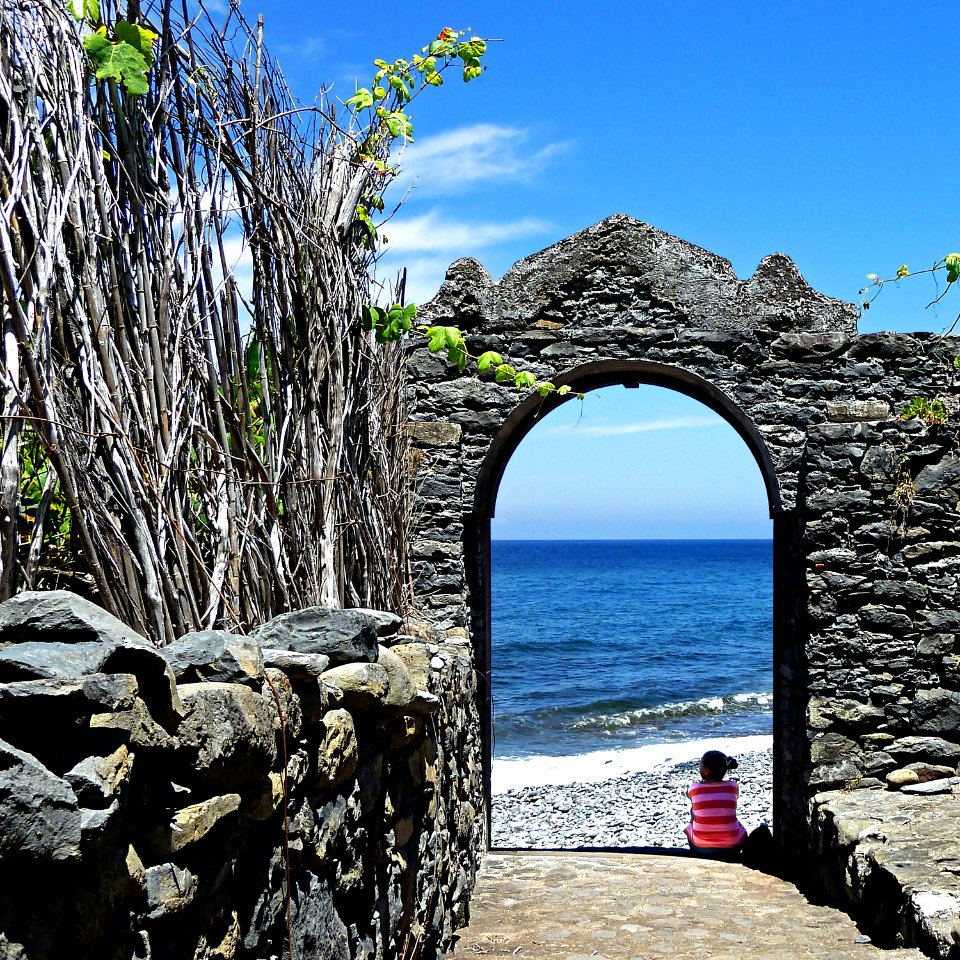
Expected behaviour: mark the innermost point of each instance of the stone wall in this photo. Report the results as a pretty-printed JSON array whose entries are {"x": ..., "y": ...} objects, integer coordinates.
[
  {"x": 142, "y": 792},
  {"x": 865, "y": 505}
]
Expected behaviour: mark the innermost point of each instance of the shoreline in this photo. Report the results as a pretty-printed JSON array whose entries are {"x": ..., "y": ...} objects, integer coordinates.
[
  {"x": 640, "y": 808},
  {"x": 595, "y": 766}
]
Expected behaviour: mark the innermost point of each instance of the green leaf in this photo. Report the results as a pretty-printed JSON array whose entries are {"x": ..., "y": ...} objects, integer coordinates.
[
  {"x": 140, "y": 38},
  {"x": 952, "y": 263},
  {"x": 361, "y": 100},
  {"x": 504, "y": 373},
  {"x": 472, "y": 49},
  {"x": 471, "y": 73},
  {"x": 930, "y": 411},
  {"x": 524, "y": 379},
  {"x": 457, "y": 354},
  {"x": 563, "y": 391},
  {"x": 370, "y": 316},
  {"x": 546, "y": 387},
  {"x": 253, "y": 362},
  {"x": 116, "y": 60},
  {"x": 439, "y": 338},
  {"x": 488, "y": 360},
  {"x": 434, "y": 79},
  {"x": 85, "y": 9},
  {"x": 956, "y": 363}
]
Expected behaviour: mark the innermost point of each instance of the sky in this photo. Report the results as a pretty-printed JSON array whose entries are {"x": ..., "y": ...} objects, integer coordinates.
[{"x": 826, "y": 131}]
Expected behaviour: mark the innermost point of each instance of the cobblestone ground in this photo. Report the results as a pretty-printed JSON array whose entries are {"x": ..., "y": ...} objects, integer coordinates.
[{"x": 572, "y": 906}]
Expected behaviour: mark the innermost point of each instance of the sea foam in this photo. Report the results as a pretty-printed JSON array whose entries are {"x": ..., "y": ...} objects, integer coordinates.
[{"x": 515, "y": 773}]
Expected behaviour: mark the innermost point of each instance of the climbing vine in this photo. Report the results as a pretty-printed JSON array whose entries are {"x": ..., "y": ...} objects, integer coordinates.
[
  {"x": 123, "y": 53},
  {"x": 381, "y": 112},
  {"x": 931, "y": 410}
]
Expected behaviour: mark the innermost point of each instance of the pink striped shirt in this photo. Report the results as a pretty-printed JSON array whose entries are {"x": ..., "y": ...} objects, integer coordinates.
[{"x": 715, "y": 821}]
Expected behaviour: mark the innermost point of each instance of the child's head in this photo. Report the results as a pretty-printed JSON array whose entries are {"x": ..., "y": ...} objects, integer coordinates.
[{"x": 714, "y": 765}]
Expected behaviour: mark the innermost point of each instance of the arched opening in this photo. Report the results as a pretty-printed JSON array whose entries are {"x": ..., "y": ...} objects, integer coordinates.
[{"x": 703, "y": 711}]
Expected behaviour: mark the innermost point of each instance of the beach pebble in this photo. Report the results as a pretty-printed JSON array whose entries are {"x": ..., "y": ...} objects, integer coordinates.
[{"x": 647, "y": 809}]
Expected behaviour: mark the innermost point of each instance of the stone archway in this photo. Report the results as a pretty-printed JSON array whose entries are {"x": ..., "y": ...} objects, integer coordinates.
[
  {"x": 582, "y": 379},
  {"x": 815, "y": 402}
]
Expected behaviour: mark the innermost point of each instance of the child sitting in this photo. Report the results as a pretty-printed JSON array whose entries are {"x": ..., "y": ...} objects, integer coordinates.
[{"x": 713, "y": 806}]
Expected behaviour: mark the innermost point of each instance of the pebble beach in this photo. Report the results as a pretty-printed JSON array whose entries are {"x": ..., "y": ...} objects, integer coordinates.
[{"x": 647, "y": 809}]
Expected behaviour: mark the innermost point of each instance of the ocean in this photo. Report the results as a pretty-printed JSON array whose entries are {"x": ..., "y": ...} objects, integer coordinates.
[{"x": 612, "y": 656}]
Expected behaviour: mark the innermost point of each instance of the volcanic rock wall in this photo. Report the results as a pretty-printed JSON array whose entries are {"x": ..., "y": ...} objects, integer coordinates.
[
  {"x": 155, "y": 803},
  {"x": 865, "y": 506}
]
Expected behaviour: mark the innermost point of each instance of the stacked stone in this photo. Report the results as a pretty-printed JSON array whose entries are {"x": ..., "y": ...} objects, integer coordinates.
[
  {"x": 883, "y": 574},
  {"x": 866, "y": 507},
  {"x": 142, "y": 791}
]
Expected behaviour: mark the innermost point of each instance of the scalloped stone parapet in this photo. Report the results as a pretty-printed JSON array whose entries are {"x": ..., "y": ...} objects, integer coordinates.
[{"x": 626, "y": 267}]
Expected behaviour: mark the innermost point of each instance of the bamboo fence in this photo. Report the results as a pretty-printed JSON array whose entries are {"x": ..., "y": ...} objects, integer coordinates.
[{"x": 195, "y": 430}]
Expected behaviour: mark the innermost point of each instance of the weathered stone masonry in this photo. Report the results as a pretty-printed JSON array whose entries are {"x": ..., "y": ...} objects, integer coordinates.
[
  {"x": 865, "y": 506},
  {"x": 142, "y": 791}
]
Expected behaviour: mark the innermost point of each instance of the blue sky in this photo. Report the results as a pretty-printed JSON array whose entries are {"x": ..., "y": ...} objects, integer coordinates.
[{"x": 826, "y": 131}]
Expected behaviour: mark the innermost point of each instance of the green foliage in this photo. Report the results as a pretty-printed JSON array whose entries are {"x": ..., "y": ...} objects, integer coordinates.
[
  {"x": 85, "y": 9},
  {"x": 55, "y": 522},
  {"x": 389, "y": 325},
  {"x": 395, "y": 84},
  {"x": 929, "y": 411},
  {"x": 950, "y": 265},
  {"x": 117, "y": 60},
  {"x": 381, "y": 109},
  {"x": 126, "y": 57},
  {"x": 488, "y": 361}
]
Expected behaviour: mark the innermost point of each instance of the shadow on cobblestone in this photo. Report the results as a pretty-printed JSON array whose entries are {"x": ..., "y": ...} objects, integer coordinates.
[{"x": 608, "y": 906}]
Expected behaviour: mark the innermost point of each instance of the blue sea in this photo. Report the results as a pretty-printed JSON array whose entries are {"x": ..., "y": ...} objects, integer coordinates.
[{"x": 627, "y": 653}]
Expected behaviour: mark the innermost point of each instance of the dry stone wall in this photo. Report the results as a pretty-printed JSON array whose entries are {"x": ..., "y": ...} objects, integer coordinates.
[
  {"x": 865, "y": 506},
  {"x": 143, "y": 793}
]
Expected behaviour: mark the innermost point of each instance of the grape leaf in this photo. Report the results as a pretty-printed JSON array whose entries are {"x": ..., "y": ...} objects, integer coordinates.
[
  {"x": 140, "y": 38},
  {"x": 488, "y": 360},
  {"x": 117, "y": 60}
]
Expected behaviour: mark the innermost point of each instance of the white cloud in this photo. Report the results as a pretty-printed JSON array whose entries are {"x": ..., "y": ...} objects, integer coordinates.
[
  {"x": 309, "y": 47},
  {"x": 623, "y": 429},
  {"x": 432, "y": 232},
  {"x": 426, "y": 245},
  {"x": 424, "y": 275},
  {"x": 449, "y": 162}
]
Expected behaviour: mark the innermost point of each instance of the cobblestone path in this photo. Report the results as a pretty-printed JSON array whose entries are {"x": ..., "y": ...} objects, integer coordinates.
[{"x": 574, "y": 906}]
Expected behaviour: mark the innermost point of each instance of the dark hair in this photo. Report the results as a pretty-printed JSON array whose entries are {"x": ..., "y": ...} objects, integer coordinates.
[{"x": 717, "y": 763}]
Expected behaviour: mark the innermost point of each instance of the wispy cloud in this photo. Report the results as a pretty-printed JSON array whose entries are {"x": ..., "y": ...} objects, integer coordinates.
[
  {"x": 457, "y": 159},
  {"x": 426, "y": 244},
  {"x": 308, "y": 47},
  {"x": 431, "y": 231},
  {"x": 623, "y": 429}
]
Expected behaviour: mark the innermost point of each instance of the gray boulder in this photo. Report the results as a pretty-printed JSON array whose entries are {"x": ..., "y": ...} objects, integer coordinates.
[
  {"x": 345, "y": 636},
  {"x": 216, "y": 655},
  {"x": 227, "y": 736},
  {"x": 59, "y": 616},
  {"x": 297, "y": 666},
  {"x": 388, "y": 624},
  {"x": 936, "y": 711},
  {"x": 39, "y": 816},
  {"x": 97, "y": 780},
  {"x": 50, "y": 718},
  {"x": 58, "y": 635},
  {"x": 363, "y": 686},
  {"x": 933, "y": 748},
  {"x": 170, "y": 889}
]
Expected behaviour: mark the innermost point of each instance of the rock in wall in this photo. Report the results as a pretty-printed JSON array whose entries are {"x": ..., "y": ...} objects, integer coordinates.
[{"x": 153, "y": 803}]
